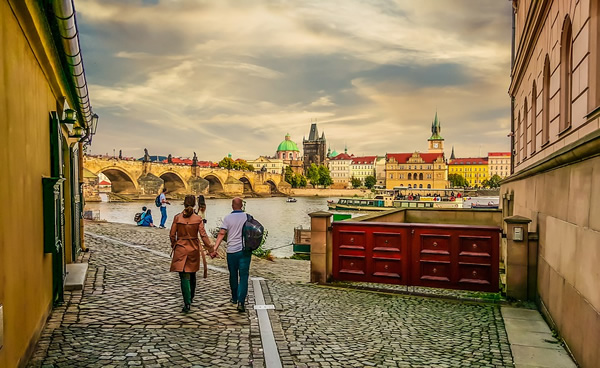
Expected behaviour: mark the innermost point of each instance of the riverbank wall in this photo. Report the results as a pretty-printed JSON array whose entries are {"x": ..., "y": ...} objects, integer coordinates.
[{"x": 318, "y": 192}]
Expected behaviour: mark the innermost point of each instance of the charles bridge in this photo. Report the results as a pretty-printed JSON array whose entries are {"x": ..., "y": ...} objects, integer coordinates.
[{"x": 142, "y": 179}]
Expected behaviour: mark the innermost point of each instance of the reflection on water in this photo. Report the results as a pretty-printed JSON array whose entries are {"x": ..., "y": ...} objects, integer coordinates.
[{"x": 277, "y": 216}]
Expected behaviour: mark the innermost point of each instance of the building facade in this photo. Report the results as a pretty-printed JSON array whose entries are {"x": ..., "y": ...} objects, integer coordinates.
[
  {"x": 339, "y": 168},
  {"x": 288, "y": 150},
  {"x": 555, "y": 86},
  {"x": 436, "y": 142},
  {"x": 270, "y": 165},
  {"x": 362, "y": 167},
  {"x": 499, "y": 164},
  {"x": 314, "y": 148},
  {"x": 474, "y": 169},
  {"x": 416, "y": 170},
  {"x": 46, "y": 120},
  {"x": 380, "y": 170}
]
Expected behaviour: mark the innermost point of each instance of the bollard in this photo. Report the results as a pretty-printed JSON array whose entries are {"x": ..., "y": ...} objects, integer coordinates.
[
  {"x": 519, "y": 256},
  {"x": 320, "y": 238}
]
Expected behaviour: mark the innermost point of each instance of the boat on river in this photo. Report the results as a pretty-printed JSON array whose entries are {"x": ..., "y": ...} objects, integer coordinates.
[
  {"x": 291, "y": 200},
  {"x": 402, "y": 197}
]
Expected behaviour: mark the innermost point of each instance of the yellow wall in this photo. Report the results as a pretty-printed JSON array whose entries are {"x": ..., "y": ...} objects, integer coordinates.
[
  {"x": 26, "y": 100},
  {"x": 475, "y": 174}
]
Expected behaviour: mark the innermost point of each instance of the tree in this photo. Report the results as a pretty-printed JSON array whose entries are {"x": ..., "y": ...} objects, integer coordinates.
[
  {"x": 324, "y": 176},
  {"x": 226, "y": 163},
  {"x": 356, "y": 182},
  {"x": 457, "y": 180},
  {"x": 289, "y": 175},
  {"x": 494, "y": 181},
  {"x": 300, "y": 181},
  {"x": 312, "y": 174},
  {"x": 370, "y": 181}
]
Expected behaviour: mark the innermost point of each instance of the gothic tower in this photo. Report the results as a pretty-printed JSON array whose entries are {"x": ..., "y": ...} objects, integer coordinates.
[{"x": 436, "y": 142}]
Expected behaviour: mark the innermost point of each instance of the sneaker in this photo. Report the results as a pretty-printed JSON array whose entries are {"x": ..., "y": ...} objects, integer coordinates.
[
  {"x": 241, "y": 308},
  {"x": 186, "y": 308},
  {"x": 232, "y": 301}
]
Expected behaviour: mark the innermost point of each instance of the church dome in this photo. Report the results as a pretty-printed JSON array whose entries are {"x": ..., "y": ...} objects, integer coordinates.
[
  {"x": 287, "y": 145},
  {"x": 333, "y": 154}
]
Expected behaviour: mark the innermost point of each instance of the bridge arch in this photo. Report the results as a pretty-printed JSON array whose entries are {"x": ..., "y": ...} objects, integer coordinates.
[
  {"x": 273, "y": 186},
  {"x": 173, "y": 182},
  {"x": 121, "y": 181},
  {"x": 215, "y": 185},
  {"x": 247, "y": 185}
]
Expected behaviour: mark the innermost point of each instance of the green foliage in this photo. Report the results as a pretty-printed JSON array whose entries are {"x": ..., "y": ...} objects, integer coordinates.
[
  {"x": 355, "y": 182},
  {"x": 370, "y": 181},
  {"x": 261, "y": 252},
  {"x": 312, "y": 174},
  {"x": 229, "y": 163},
  {"x": 295, "y": 180},
  {"x": 457, "y": 180},
  {"x": 324, "y": 176},
  {"x": 289, "y": 175},
  {"x": 494, "y": 181}
]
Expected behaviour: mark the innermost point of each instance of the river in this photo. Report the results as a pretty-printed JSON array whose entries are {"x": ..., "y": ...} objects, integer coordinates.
[{"x": 277, "y": 216}]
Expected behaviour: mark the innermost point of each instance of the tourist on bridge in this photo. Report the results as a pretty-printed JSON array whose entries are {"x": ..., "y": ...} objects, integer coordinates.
[
  {"x": 186, "y": 228},
  {"x": 238, "y": 260},
  {"x": 163, "y": 208}
]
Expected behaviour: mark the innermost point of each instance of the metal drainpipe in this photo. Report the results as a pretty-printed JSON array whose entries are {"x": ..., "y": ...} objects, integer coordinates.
[
  {"x": 64, "y": 12},
  {"x": 512, "y": 99}
]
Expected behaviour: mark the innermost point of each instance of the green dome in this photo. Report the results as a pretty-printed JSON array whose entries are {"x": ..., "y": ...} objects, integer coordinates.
[
  {"x": 333, "y": 154},
  {"x": 287, "y": 145}
]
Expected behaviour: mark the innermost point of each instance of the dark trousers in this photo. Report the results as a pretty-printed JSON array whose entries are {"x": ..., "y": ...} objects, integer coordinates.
[
  {"x": 239, "y": 268},
  {"x": 188, "y": 286}
]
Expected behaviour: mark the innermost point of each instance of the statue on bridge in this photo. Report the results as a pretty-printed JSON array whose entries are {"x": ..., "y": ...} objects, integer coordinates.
[
  {"x": 120, "y": 154},
  {"x": 146, "y": 155},
  {"x": 170, "y": 159},
  {"x": 195, "y": 160}
]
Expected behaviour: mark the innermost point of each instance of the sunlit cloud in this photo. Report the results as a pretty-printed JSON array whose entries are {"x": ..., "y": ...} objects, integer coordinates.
[{"x": 227, "y": 76}]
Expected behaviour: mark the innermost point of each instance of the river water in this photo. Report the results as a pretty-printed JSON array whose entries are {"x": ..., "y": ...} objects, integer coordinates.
[{"x": 276, "y": 215}]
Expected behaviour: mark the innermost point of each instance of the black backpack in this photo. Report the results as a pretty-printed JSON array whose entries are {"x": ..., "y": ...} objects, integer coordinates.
[
  {"x": 138, "y": 217},
  {"x": 157, "y": 201},
  {"x": 252, "y": 233}
]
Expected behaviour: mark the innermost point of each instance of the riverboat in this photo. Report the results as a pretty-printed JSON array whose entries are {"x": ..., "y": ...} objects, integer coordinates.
[
  {"x": 490, "y": 205},
  {"x": 291, "y": 200},
  {"x": 402, "y": 197}
]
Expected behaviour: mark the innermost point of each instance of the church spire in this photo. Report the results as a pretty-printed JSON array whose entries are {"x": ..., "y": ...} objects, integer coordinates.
[
  {"x": 452, "y": 157},
  {"x": 436, "y": 129}
]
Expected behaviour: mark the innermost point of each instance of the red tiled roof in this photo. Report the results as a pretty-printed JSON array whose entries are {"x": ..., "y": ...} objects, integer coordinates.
[
  {"x": 469, "y": 161},
  {"x": 365, "y": 160},
  {"x": 104, "y": 182},
  {"x": 499, "y": 154},
  {"x": 403, "y": 157},
  {"x": 342, "y": 156}
]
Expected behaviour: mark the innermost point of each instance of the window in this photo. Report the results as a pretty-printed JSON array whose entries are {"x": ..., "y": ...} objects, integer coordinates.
[
  {"x": 546, "y": 102},
  {"x": 525, "y": 130},
  {"x": 409, "y": 176},
  {"x": 533, "y": 116},
  {"x": 566, "y": 74}
]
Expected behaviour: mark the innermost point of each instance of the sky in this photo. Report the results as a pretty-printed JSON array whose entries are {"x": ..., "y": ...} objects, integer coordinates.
[{"x": 220, "y": 77}]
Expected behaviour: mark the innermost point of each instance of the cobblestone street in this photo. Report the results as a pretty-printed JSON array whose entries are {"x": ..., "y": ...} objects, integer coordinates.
[{"x": 129, "y": 315}]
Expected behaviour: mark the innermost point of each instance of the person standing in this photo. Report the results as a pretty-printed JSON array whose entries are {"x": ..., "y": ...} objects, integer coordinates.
[
  {"x": 238, "y": 260},
  {"x": 163, "y": 208},
  {"x": 186, "y": 228}
]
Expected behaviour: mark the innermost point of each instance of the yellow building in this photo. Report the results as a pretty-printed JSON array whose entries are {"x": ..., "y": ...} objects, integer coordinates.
[
  {"x": 266, "y": 164},
  {"x": 474, "y": 169},
  {"x": 41, "y": 139},
  {"x": 419, "y": 170}
]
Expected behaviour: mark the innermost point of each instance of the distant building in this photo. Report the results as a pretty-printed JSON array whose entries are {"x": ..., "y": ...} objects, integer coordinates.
[
  {"x": 270, "y": 165},
  {"x": 288, "y": 150},
  {"x": 339, "y": 168},
  {"x": 416, "y": 170},
  {"x": 314, "y": 148},
  {"x": 436, "y": 142},
  {"x": 361, "y": 167},
  {"x": 555, "y": 138},
  {"x": 380, "y": 170},
  {"x": 499, "y": 164},
  {"x": 473, "y": 169}
]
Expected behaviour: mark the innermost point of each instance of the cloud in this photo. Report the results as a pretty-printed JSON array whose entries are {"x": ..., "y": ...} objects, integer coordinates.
[{"x": 229, "y": 76}]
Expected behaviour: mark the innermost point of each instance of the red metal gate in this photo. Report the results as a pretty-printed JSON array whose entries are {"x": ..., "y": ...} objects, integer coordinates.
[{"x": 432, "y": 255}]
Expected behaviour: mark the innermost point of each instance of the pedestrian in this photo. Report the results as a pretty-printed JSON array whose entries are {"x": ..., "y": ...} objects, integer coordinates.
[
  {"x": 163, "y": 208},
  {"x": 238, "y": 260},
  {"x": 186, "y": 228},
  {"x": 147, "y": 220},
  {"x": 201, "y": 208},
  {"x": 139, "y": 217}
]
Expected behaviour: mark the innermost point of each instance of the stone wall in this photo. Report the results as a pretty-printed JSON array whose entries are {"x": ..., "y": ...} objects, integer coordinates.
[{"x": 564, "y": 206}]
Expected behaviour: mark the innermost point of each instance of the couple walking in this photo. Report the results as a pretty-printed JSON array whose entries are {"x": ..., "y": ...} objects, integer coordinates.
[{"x": 186, "y": 232}]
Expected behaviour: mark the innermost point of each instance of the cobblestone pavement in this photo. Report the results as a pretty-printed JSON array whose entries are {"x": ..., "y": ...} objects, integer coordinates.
[{"x": 129, "y": 315}]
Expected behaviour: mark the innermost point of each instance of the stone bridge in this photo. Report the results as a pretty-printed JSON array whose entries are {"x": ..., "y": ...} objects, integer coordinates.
[{"x": 138, "y": 179}]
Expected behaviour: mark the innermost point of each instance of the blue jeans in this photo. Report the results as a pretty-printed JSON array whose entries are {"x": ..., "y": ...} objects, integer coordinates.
[
  {"x": 239, "y": 267},
  {"x": 163, "y": 216}
]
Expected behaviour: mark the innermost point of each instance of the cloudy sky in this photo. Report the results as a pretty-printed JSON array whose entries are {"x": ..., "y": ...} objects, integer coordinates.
[{"x": 218, "y": 77}]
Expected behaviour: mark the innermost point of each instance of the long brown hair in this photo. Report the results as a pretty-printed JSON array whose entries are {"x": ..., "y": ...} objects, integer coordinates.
[{"x": 189, "y": 202}]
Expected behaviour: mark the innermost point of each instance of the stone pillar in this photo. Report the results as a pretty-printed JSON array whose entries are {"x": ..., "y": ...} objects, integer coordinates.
[
  {"x": 320, "y": 246},
  {"x": 519, "y": 267}
]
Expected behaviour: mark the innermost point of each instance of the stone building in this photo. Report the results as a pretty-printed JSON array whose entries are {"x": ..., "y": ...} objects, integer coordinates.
[
  {"x": 339, "y": 168},
  {"x": 46, "y": 120},
  {"x": 416, "y": 170},
  {"x": 287, "y": 149},
  {"x": 555, "y": 93},
  {"x": 499, "y": 164},
  {"x": 314, "y": 148},
  {"x": 361, "y": 167}
]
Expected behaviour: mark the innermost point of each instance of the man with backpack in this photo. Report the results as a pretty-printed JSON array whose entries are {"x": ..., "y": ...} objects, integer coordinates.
[
  {"x": 239, "y": 254},
  {"x": 161, "y": 201}
]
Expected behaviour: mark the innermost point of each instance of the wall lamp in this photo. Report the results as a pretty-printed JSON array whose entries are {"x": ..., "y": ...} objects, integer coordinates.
[{"x": 69, "y": 117}]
